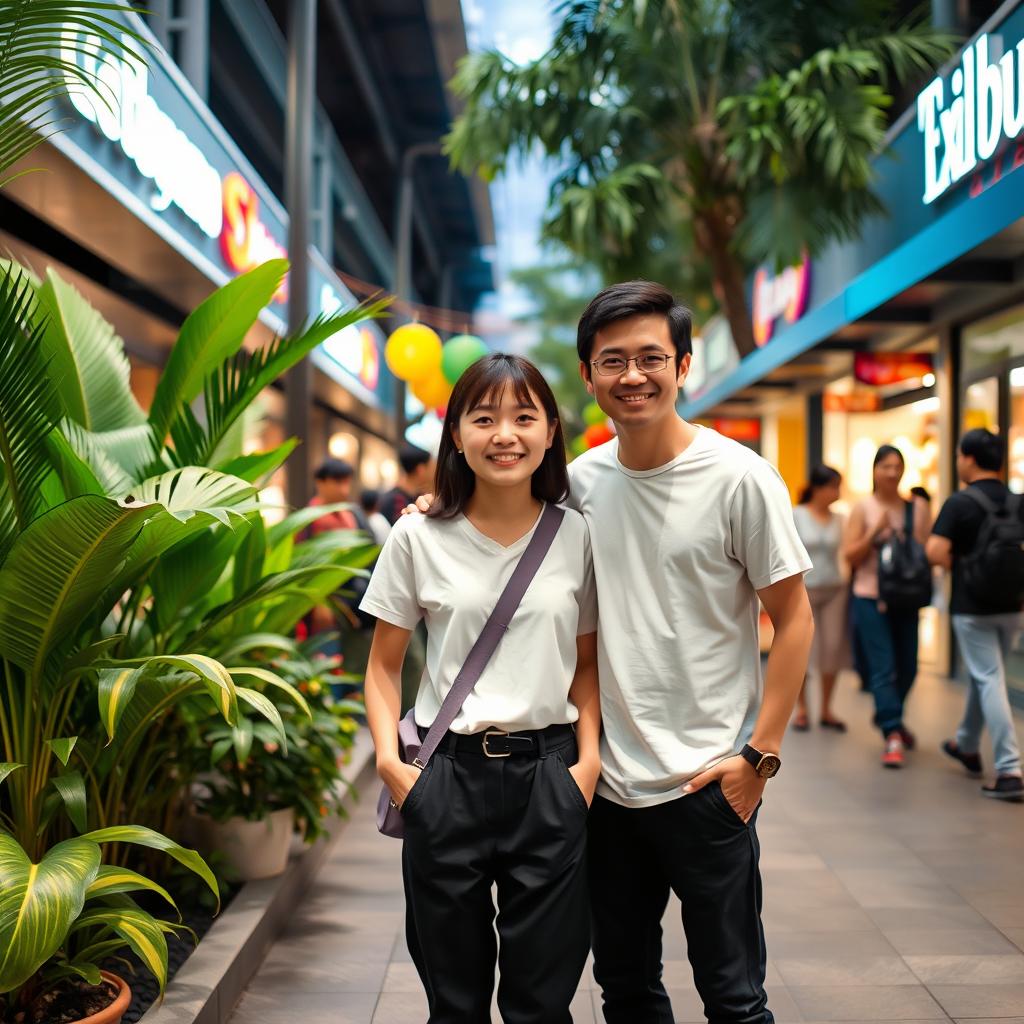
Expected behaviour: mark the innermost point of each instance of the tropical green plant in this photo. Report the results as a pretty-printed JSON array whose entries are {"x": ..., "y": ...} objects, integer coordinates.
[
  {"x": 746, "y": 126},
  {"x": 62, "y": 917},
  {"x": 126, "y": 576},
  {"x": 251, "y": 773}
]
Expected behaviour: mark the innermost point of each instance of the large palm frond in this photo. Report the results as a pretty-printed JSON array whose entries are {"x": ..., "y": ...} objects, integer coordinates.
[
  {"x": 28, "y": 410},
  {"x": 39, "y": 44}
]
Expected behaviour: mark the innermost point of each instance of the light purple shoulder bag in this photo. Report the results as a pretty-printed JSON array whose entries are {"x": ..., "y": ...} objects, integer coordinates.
[{"x": 411, "y": 748}]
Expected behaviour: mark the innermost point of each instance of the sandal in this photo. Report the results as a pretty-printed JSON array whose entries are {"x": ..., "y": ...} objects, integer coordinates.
[
  {"x": 801, "y": 723},
  {"x": 836, "y": 724}
]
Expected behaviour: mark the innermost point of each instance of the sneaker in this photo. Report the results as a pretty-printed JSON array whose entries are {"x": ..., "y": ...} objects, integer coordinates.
[
  {"x": 892, "y": 756},
  {"x": 909, "y": 739},
  {"x": 971, "y": 762},
  {"x": 1006, "y": 787}
]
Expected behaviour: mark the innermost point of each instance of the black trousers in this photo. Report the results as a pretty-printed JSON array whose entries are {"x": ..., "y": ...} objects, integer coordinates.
[
  {"x": 701, "y": 850},
  {"x": 519, "y": 823}
]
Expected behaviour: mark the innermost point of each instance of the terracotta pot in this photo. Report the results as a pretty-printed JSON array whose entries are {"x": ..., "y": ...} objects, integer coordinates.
[
  {"x": 116, "y": 1010},
  {"x": 254, "y": 849}
]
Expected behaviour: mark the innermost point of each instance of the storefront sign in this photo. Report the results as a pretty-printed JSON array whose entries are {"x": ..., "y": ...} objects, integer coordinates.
[
  {"x": 783, "y": 295},
  {"x": 882, "y": 368},
  {"x": 146, "y": 135},
  {"x": 985, "y": 107},
  {"x": 856, "y": 401},
  {"x": 739, "y": 429},
  {"x": 355, "y": 349},
  {"x": 244, "y": 240}
]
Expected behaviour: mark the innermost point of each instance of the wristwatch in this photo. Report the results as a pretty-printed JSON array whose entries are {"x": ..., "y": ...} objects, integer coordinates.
[{"x": 766, "y": 765}]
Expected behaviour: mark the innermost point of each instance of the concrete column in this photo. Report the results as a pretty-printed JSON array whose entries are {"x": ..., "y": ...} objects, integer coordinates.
[{"x": 298, "y": 189}]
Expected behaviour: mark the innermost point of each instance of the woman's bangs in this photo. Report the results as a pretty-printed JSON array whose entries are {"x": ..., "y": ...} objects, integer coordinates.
[{"x": 494, "y": 382}]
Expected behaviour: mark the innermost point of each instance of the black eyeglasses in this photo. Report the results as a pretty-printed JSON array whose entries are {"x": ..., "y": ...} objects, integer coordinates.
[{"x": 616, "y": 366}]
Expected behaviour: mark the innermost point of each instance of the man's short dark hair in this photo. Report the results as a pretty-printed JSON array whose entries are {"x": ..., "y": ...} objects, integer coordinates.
[
  {"x": 369, "y": 499},
  {"x": 411, "y": 457},
  {"x": 333, "y": 469},
  {"x": 634, "y": 298},
  {"x": 984, "y": 447}
]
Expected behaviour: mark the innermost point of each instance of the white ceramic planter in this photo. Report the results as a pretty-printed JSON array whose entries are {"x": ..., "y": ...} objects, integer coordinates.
[{"x": 254, "y": 849}]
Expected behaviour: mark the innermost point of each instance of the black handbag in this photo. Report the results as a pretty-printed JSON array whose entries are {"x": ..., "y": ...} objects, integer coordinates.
[{"x": 904, "y": 575}]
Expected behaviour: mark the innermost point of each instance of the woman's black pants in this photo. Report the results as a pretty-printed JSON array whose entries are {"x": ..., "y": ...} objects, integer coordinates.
[{"x": 517, "y": 823}]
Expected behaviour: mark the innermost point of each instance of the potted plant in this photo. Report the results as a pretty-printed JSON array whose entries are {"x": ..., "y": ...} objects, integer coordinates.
[
  {"x": 259, "y": 786},
  {"x": 64, "y": 916}
]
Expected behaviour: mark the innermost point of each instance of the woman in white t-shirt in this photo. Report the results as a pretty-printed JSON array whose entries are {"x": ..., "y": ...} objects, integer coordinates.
[
  {"x": 821, "y": 531},
  {"x": 504, "y": 800}
]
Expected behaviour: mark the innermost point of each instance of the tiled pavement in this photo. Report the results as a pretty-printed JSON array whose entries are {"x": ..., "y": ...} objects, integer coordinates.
[{"x": 889, "y": 896}]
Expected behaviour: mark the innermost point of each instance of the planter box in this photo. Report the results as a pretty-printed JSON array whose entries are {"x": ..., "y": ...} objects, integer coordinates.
[
  {"x": 254, "y": 849},
  {"x": 213, "y": 979}
]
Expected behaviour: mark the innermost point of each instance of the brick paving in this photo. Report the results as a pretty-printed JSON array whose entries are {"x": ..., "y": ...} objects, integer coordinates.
[{"x": 889, "y": 896}]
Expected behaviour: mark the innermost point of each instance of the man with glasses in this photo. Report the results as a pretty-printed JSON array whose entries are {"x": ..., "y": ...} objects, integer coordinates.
[{"x": 689, "y": 531}]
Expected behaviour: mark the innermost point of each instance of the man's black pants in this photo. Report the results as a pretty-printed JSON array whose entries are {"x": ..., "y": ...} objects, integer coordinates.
[
  {"x": 518, "y": 822},
  {"x": 700, "y": 849}
]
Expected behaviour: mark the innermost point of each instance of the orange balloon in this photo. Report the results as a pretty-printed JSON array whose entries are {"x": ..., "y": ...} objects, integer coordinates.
[
  {"x": 598, "y": 433},
  {"x": 432, "y": 390}
]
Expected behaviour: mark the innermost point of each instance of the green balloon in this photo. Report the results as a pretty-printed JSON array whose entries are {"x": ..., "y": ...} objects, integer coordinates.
[
  {"x": 593, "y": 415},
  {"x": 459, "y": 354},
  {"x": 578, "y": 445}
]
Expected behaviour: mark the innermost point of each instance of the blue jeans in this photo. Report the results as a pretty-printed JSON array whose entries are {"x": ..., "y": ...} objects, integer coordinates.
[
  {"x": 984, "y": 642},
  {"x": 888, "y": 642}
]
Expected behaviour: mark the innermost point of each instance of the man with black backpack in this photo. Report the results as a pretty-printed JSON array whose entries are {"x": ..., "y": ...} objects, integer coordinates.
[{"x": 980, "y": 535}]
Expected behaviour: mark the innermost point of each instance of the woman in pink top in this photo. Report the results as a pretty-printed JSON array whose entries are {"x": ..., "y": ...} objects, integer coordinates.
[{"x": 887, "y": 637}]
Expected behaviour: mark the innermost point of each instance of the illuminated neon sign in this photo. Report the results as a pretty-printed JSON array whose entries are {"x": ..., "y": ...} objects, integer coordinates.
[
  {"x": 986, "y": 107},
  {"x": 783, "y": 295},
  {"x": 354, "y": 348},
  {"x": 161, "y": 151},
  {"x": 245, "y": 241}
]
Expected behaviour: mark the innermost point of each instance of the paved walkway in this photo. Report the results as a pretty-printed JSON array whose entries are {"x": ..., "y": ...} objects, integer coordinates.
[{"x": 888, "y": 896}]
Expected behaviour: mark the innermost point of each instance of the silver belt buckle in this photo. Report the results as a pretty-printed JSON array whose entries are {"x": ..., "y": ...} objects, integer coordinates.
[{"x": 487, "y": 735}]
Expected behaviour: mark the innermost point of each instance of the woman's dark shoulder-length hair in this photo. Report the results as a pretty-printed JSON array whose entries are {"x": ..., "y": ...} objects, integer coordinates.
[{"x": 484, "y": 382}]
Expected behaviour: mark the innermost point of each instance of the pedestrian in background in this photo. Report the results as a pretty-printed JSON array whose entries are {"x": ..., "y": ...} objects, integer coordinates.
[
  {"x": 821, "y": 531},
  {"x": 978, "y": 535},
  {"x": 377, "y": 523},
  {"x": 887, "y": 634},
  {"x": 417, "y": 478}
]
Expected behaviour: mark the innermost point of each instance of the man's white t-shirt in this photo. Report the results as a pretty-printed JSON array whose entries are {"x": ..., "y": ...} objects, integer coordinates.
[
  {"x": 448, "y": 573},
  {"x": 679, "y": 552}
]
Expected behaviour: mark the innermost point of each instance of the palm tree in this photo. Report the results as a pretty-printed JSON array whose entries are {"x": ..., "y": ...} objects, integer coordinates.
[{"x": 742, "y": 128}]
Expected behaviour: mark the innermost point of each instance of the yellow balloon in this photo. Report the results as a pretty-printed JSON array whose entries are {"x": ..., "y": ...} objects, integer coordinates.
[
  {"x": 433, "y": 390},
  {"x": 413, "y": 351}
]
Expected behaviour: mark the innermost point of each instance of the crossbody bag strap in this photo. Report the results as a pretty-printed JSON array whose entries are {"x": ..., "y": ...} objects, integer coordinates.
[{"x": 494, "y": 629}]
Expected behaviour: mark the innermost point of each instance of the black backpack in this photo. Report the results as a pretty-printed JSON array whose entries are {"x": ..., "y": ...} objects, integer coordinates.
[
  {"x": 993, "y": 571},
  {"x": 904, "y": 575}
]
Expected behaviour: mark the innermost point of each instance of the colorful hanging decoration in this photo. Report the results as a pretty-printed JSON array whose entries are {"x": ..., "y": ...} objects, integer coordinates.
[
  {"x": 413, "y": 352},
  {"x": 597, "y": 434},
  {"x": 459, "y": 354},
  {"x": 433, "y": 390},
  {"x": 593, "y": 414}
]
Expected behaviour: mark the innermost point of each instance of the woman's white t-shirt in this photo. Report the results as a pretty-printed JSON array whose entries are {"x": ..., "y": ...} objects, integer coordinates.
[{"x": 449, "y": 574}]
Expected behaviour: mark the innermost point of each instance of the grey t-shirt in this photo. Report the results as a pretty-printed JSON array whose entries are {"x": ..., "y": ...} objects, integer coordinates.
[
  {"x": 822, "y": 541},
  {"x": 679, "y": 552}
]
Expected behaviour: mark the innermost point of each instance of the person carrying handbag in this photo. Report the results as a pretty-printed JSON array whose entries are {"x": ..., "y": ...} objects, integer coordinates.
[
  {"x": 891, "y": 583},
  {"x": 501, "y": 798}
]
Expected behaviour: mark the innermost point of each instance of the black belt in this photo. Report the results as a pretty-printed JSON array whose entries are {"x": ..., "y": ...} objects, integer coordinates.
[{"x": 498, "y": 743}]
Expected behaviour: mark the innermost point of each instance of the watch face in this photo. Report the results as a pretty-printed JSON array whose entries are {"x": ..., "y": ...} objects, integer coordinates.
[{"x": 769, "y": 766}]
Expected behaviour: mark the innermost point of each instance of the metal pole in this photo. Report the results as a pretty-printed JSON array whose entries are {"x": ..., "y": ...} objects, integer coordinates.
[
  {"x": 195, "y": 44},
  {"x": 298, "y": 189},
  {"x": 944, "y": 15},
  {"x": 815, "y": 431},
  {"x": 403, "y": 252}
]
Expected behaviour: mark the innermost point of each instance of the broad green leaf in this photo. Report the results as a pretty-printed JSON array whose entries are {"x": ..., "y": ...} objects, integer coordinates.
[
  {"x": 90, "y": 368},
  {"x": 82, "y": 455},
  {"x": 62, "y": 747},
  {"x": 56, "y": 572},
  {"x": 71, "y": 788},
  {"x": 301, "y": 518},
  {"x": 341, "y": 547},
  {"x": 114, "y": 692},
  {"x": 249, "y": 558},
  {"x": 89, "y": 972},
  {"x": 155, "y": 841},
  {"x": 6, "y": 767},
  {"x": 268, "y": 709},
  {"x": 186, "y": 492},
  {"x": 39, "y": 903},
  {"x": 139, "y": 929},
  {"x": 111, "y": 879},
  {"x": 242, "y": 737},
  {"x": 212, "y": 674},
  {"x": 272, "y": 679},
  {"x": 256, "y": 642},
  {"x": 259, "y": 465},
  {"x": 75, "y": 474},
  {"x": 213, "y": 332}
]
